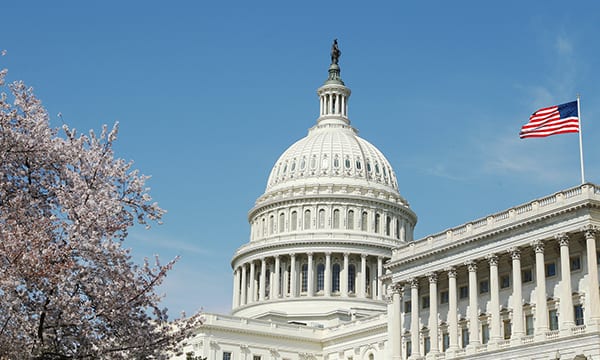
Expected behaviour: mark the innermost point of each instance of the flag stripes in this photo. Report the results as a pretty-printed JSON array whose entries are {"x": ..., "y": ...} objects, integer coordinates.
[{"x": 559, "y": 119}]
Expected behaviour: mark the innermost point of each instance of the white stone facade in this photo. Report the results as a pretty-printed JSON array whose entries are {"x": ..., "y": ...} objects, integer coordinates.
[{"x": 332, "y": 271}]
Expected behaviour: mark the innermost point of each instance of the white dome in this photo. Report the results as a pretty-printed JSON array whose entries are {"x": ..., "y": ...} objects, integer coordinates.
[{"x": 332, "y": 150}]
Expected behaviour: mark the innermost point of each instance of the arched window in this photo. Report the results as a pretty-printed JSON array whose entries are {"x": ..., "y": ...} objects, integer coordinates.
[
  {"x": 397, "y": 229},
  {"x": 336, "y": 219},
  {"x": 388, "y": 225},
  {"x": 320, "y": 277},
  {"x": 377, "y": 223},
  {"x": 294, "y": 221},
  {"x": 281, "y": 227},
  {"x": 271, "y": 224},
  {"x": 304, "y": 277},
  {"x": 322, "y": 219},
  {"x": 350, "y": 219},
  {"x": 363, "y": 221},
  {"x": 264, "y": 227},
  {"x": 307, "y": 219},
  {"x": 335, "y": 277},
  {"x": 351, "y": 278}
]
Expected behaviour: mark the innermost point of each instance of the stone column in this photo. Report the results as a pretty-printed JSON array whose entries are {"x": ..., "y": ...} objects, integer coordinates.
[
  {"x": 494, "y": 299},
  {"x": 236, "y": 287},
  {"x": 452, "y": 310},
  {"x": 277, "y": 280},
  {"x": 517, "y": 296},
  {"x": 379, "y": 274},
  {"x": 263, "y": 280},
  {"x": 541, "y": 305},
  {"x": 293, "y": 276},
  {"x": 434, "y": 348},
  {"x": 394, "y": 321},
  {"x": 473, "y": 307},
  {"x": 311, "y": 275},
  {"x": 592, "y": 263},
  {"x": 414, "y": 319},
  {"x": 363, "y": 276},
  {"x": 244, "y": 297},
  {"x": 252, "y": 297},
  {"x": 327, "y": 284},
  {"x": 566, "y": 295},
  {"x": 344, "y": 276}
]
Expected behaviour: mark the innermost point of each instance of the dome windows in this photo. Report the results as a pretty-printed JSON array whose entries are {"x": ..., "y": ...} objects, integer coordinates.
[
  {"x": 358, "y": 164},
  {"x": 347, "y": 163},
  {"x": 293, "y": 167},
  {"x": 336, "y": 162},
  {"x": 303, "y": 163}
]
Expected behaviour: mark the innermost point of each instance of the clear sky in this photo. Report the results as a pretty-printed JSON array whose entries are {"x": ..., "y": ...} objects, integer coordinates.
[{"x": 208, "y": 94}]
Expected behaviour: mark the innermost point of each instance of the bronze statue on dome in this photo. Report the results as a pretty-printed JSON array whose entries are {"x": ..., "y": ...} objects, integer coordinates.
[{"x": 335, "y": 52}]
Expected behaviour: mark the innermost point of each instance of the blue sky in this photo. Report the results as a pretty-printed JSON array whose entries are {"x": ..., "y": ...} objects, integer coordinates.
[{"x": 209, "y": 94}]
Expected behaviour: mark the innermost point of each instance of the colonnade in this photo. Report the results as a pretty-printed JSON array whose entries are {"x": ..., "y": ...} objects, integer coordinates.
[
  {"x": 429, "y": 341},
  {"x": 333, "y": 103},
  {"x": 308, "y": 274}
]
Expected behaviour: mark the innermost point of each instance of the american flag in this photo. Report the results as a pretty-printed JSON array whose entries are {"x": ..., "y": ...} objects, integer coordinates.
[{"x": 558, "y": 119}]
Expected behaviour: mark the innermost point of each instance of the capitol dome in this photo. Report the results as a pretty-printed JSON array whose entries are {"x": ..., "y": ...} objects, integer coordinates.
[
  {"x": 332, "y": 151},
  {"x": 328, "y": 220}
]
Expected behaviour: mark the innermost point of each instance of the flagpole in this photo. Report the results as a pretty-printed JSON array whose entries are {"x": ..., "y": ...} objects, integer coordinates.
[{"x": 580, "y": 142}]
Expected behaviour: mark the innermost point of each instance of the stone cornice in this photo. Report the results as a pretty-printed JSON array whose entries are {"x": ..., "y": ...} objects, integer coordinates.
[
  {"x": 514, "y": 219},
  {"x": 256, "y": 250}
]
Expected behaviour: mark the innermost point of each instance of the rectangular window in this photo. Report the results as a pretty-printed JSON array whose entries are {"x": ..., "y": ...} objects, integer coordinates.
[
  {"x": 226, "y": 355},
  {"x": 445, "y": 341},
  {"x": 550, "y": 269},
  {"x": 526, "y": 275},
  {"x": 553, "y": 319},
  {"x": 408, "y": 348},
  {"x": 463, "y": 292},
  {"x": 485, "y": 333},
  {"x": 444, "y": 297},
  {"x": 529, "y": 325},
  {"x": 256, "y": 357},
  {"x": 575, "y": 262},
  {"x": 504, "y": 281},
  {"x": 407, "y": 306},
  {"x": 507, "y": 329},
  {"x": 426, "y": 345},
  {"x": 484, "y": 287},
  {"x": 425, "y": 302},
  {"x": 464, "y": 337},
  {"x": 578, "y": 309}
]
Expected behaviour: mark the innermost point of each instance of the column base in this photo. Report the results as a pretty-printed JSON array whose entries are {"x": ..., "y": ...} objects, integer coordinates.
[
  {"x": 432, "y": 355},
  {"x": 472, "y": 348}
]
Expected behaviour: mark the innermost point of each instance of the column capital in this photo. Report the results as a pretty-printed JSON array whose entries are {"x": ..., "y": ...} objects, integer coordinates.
[
  {"x": 346, "y": 254},
  {"x": 276, "y": 257},
  {"x": 471, "y": 265},
  {"x": 363, "y": 255},
  {"x": 292, "y": 254},
  {"x": 433, "y": 277},
  {"x": 514, "y": 252},
  {"x": 492, "y": 259},
  {"x": 414, "y": 283},
  {"x": 397, "y": 288},
  {"x": 538, "y": 246},
  {"x": 590, "y": 231},
  {"x": 451, "y": 272},
  {"x": 310, "y": 254},
  {"x": 562, "y": 238},
  {"x": 327, "y": 253}
]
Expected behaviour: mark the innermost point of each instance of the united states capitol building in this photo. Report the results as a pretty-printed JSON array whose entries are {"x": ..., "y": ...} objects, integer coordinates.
[{"x": 332, "y": 270}]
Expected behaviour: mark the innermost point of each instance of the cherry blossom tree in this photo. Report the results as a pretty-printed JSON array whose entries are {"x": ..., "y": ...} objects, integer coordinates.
[{"x": 68, "y": 287}]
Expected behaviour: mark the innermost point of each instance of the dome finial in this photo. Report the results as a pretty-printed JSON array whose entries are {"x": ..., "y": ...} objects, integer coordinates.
[
  {"x": 335, "y": 52},
  {"x": 334, "y": 69}
]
